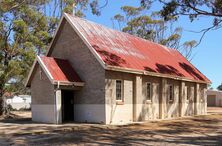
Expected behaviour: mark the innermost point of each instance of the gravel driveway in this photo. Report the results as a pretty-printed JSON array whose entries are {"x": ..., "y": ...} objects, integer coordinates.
[{"x": 199, "y": 130}]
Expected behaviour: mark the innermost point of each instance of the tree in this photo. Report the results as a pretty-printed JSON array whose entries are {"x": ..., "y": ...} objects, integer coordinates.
[
  {"x": 219, "y": 87},
  {"x": 54, "y": 9},
  {"x": 26, "y": 29},
  {"x": 23, "y": 32},
  {"x": 136, "y": 21},
  {"x": 194, "y": 9}
]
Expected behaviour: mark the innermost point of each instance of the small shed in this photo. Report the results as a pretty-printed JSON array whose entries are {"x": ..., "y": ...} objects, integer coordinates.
[{"x": 214, "y": 98}]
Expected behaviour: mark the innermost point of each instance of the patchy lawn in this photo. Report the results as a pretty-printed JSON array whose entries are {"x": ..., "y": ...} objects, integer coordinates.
[{"x": 199, "y": 130}]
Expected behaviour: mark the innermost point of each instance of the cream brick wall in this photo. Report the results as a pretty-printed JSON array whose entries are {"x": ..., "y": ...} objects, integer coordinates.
[
  {"x": 119, "y": 113},
  {"x": 203, "y": 99},
  {"x": 171, "y": 108},
  {"x": 150, "y": 109},
  {"x": 69, "y": 46},
  {"x": 189, "y": 102},
  {"x": 160, "y": 107},
  {"x": 42, "y": 92},
  {"x": 96, "y": 103}
]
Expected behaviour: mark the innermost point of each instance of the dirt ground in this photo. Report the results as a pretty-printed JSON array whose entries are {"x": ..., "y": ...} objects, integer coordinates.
[{"x": 199, "y": 130}]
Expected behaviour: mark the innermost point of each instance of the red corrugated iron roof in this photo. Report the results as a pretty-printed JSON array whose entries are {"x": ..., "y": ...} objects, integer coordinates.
[
  {"x": 127, "y": 51},
  {"x": 60, "y": 69}
]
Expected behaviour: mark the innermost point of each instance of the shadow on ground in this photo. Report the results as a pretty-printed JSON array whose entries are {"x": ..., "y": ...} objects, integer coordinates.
[{"x": 201, "y": 130}]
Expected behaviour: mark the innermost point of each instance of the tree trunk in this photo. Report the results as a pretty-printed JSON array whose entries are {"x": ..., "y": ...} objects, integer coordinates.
[{"x": 1, "y": 103}]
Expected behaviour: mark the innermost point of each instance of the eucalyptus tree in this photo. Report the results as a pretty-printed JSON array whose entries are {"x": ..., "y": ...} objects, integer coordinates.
[
  {"x": 26, "y": 29},
  {"x": 151, "y": 26}
]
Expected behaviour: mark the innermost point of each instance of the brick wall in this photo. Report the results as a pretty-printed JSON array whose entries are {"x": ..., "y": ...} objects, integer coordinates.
[
  {"x": 69, "y": 46},
  {"x": 160, "y": 107},
  {"x": 42, "y": 92},
  {"x": 42, "y": 89},
  {"x": 89, "y": 102}
]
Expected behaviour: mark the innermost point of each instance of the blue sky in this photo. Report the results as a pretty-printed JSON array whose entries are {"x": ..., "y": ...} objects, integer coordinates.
[{"x": 208, "y": 54}]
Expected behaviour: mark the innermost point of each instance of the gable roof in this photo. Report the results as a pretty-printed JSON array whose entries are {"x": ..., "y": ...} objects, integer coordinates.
[
  {"x": 125, "y": 51},
  {"x": 59, "y": 71},
  {"x": 214, "y": 92}
]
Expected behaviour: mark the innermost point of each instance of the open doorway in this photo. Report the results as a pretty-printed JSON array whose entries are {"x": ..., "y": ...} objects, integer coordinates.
[{"x": 67, "y": 105}]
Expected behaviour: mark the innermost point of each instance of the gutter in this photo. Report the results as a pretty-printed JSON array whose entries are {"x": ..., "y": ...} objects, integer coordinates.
[
  {"x": 66, "y": 83},
  {"x": 140, "y": 72}
]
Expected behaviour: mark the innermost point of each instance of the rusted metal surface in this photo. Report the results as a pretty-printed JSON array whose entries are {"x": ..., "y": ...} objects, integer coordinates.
[
  {"x": 128, "y": 51},
  {"x": 60, "y": 69}
]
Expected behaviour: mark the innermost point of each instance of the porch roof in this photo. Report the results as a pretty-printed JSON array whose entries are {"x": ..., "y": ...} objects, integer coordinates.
[{"x": 59, "y": 71}]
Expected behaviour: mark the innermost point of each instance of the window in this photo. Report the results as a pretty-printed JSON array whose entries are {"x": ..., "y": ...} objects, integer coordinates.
[
  {"x": 188, "y": 93},
  {"x": 158, "y": 90},
  {"x": 171, "y": 92},
  {"x": 40, "y": 74},
  {"x": 148, "y": 91},
  {"x": 202, "y": 93},
  {"x": 119, "y": 90}
]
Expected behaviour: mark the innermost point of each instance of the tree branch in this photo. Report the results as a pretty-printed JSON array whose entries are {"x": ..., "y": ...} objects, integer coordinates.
[
  {"x": 16, "y": 6},
  {"x": 202, "y": 12}
]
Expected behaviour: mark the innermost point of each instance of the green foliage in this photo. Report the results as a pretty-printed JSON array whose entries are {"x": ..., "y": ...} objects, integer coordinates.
[
  {"x": 146, "y": 3},
  {"x": 219, "y": 87},
  {"x": 131, "y": 11},
  {"x": 26, "y": 29},
  {"x": 168, "y": 9},
  {"x": 194, "y": 9},
  {"x": 151, "y": 26},
  {"x": 23, "y": 33}
]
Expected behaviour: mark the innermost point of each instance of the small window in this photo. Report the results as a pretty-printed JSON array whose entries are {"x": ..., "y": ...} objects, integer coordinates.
[
  {"x": 119, "y": 90},
  {"x": 40, "y": 74},
  {"x": 188, "y": 93},
  {"x": 148, "y": 91},
  {"x": 171, "y": 92},
  {"x": 158, "y": 90},
  {"x": 202, "y": 94}
]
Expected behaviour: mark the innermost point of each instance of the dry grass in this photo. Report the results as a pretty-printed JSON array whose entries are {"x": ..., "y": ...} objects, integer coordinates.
[{"x": 200, "y": 130}]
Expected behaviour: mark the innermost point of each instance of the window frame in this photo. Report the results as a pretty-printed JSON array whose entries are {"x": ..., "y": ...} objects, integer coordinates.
[
  {"x": 188, "y": 93},
  {"x": 171, "y": 100},
  {"x": 151, "y": 93},
  {"x": 202, "y": 94},
  {"x": 119, "y": 101},
  {"x": 40, "y": 74}
]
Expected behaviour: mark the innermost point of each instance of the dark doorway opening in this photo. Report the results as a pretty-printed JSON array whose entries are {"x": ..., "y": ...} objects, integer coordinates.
[{"x": 67, "y": 105}]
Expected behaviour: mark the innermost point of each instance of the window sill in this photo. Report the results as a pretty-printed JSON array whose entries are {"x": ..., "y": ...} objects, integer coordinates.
[
  {"x": 148, "y": 101},
  {"x": 119, "y": 102}
]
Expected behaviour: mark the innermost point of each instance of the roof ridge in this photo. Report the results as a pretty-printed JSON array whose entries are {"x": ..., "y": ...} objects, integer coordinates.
[
  {"x": 155, "y": 43},
  {"x": 167, "y": 60}
]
